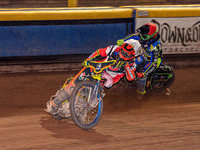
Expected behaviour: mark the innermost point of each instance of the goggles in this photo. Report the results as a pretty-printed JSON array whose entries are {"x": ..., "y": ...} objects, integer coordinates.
[
  {"x": 126, "y": 56},
  {"x": 145, "y": 36}
]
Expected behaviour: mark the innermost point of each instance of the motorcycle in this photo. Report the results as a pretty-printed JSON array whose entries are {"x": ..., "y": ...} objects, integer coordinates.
[{"x": 158, "y": 81}]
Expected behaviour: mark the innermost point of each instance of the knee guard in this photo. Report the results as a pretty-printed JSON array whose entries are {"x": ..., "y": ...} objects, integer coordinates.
[
  {"x": 60, "y": 97},
  {"x": 109, "y": 80}
]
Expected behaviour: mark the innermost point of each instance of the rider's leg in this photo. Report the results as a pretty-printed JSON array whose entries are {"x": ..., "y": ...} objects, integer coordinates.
[
  {"x": 53, "y": 105},
  {"x": 63, "y": 95},
  {"x": 141, "y": 85},
  {"x": 59, "y": 98}
]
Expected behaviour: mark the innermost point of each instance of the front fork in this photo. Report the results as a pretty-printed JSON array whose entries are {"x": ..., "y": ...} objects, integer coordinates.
[{"x": 94, "y": 98}]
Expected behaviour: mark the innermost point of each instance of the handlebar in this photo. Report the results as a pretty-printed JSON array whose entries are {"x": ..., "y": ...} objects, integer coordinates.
[{"x": 98, "y": 67}]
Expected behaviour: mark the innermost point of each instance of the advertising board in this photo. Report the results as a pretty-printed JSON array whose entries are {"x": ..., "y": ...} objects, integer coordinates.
[
  {"x": 178, "y": 26},
  {"x": 177, "y": 35}
]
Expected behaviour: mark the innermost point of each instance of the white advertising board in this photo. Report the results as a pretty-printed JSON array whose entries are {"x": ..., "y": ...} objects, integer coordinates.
[{"x": 177, "y": 35}]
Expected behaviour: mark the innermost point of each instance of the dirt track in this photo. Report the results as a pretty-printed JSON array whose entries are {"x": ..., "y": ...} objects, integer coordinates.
[{"x": 154, "y": 123}]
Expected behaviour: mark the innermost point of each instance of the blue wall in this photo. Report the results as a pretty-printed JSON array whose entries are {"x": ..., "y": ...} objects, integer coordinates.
[{"x": 58, "y": 39}]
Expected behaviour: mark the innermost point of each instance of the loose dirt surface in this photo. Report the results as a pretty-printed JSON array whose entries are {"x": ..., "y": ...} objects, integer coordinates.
[{"x": 157, "y": 122}]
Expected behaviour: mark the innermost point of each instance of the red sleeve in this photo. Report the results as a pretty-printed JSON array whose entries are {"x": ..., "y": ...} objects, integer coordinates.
[
  {"x": 130, "y": 73},
  {"x": 117, "y": 49},
  {"x": 102, "y": 52}
]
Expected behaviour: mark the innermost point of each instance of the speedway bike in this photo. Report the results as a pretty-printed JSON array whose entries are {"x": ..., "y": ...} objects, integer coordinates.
[
  {"x": 85, "y": 106},
  {"x": 158, "y": 81}
]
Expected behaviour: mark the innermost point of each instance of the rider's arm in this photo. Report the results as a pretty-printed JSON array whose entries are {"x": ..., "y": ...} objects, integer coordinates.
[
  {"x": 130, "y": 71},
  {"x": 98, "y": 54},
  {"x": 128, "y": 37}
]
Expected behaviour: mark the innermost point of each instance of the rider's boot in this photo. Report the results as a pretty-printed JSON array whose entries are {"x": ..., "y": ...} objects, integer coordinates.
[
  {"x": 53, "y": 111},
  {"x": 65, "y": 108},
  {"x": 54, "y": 104},
  {"x": 140, "y": 95},
  {"x": 167, "y": 91},
  {"x": 50, "y": 108}
]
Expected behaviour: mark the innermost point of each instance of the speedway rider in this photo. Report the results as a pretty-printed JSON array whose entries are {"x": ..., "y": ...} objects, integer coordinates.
[
  {"x": 125, "y": 65},
  {"x": 151, "y": 58}
]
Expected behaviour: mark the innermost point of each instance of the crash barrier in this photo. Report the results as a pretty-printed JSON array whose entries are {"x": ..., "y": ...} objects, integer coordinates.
[{"x": 64, "y": 31}]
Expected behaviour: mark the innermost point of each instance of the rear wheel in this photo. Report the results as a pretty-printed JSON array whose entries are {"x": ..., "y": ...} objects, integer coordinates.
[
  {"x": 84, "y": 113},
  {"x": 160, "y": 81},
  {"x": 171, "y": 79}
]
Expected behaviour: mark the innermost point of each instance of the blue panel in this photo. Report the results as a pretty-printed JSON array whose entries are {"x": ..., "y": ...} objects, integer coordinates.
[{"x": 58, "y": 39}]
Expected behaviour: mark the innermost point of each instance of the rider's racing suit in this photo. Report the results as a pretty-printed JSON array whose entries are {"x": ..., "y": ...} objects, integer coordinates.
[
  {"x": 111, "y": 75},
  {"x": 148, "y": 62}
]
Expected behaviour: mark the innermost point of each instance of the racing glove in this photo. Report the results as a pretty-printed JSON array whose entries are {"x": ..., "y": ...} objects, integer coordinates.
[
  {"x": 120, "y": 42},
  {"x": 140, "y": 75}
]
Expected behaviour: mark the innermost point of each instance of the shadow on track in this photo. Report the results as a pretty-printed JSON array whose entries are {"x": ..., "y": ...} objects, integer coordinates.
[{"x": 67, "y": 130}]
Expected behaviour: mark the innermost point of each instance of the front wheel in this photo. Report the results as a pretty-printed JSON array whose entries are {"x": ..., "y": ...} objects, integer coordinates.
[{"x": 86, "y": 113}]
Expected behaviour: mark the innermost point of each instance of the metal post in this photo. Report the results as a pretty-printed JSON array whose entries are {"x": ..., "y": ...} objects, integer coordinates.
[{"x": 72, "y": 3}]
